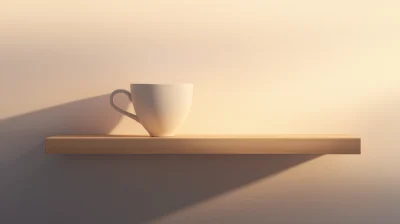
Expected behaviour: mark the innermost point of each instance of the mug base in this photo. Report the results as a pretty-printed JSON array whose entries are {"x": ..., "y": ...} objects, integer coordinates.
[{"x": 162, "y": 135}]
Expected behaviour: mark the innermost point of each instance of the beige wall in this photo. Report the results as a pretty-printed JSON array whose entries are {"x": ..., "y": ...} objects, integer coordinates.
[{"x": 286, "y": 66}]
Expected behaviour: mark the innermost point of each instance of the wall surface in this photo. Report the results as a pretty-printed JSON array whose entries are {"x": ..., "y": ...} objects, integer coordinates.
[{"x": 280, "y": 66}]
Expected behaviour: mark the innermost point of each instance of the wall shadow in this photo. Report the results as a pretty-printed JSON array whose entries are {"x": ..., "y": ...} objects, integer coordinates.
[
  {"x": 88, "y": 116},
  {"x": 43, "y": 188}
]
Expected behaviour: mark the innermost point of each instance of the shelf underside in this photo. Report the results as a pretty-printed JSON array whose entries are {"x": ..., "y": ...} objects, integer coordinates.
[{"x": 203, "y": 144}]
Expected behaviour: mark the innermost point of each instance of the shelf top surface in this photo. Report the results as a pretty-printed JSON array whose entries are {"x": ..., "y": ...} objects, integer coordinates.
[{"x": 209, "y": 136}]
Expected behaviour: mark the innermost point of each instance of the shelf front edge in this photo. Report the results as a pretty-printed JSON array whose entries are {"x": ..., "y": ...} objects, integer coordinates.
[{"x": 176, "y": 145}]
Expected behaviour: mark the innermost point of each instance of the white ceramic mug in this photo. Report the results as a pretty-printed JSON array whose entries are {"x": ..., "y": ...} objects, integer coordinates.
[{"x": 160, "y": 108}]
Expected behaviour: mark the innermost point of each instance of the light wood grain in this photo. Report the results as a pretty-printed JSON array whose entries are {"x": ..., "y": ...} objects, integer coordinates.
[{"x": 204, "y": 144}]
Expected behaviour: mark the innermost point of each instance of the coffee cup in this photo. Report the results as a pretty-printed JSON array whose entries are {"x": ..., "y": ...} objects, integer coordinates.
[{"x": 160, "y": 108}]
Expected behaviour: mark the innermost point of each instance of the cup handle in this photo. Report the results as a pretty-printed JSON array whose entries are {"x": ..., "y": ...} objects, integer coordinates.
[{"x": 126, "y": 113}]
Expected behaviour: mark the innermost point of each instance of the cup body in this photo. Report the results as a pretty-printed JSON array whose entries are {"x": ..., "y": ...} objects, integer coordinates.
[{"x": 162, "y": 108}]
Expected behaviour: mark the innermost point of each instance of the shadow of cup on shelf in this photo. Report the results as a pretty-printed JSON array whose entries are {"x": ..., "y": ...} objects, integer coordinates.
[{"x": 109, "y": 188}]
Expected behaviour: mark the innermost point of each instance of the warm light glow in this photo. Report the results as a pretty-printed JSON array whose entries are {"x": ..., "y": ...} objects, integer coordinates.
[{"x": 258, "y": 67}]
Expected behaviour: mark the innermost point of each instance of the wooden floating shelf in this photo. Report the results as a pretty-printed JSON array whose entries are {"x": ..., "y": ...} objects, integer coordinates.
[{"x": 203, "y": 144}]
